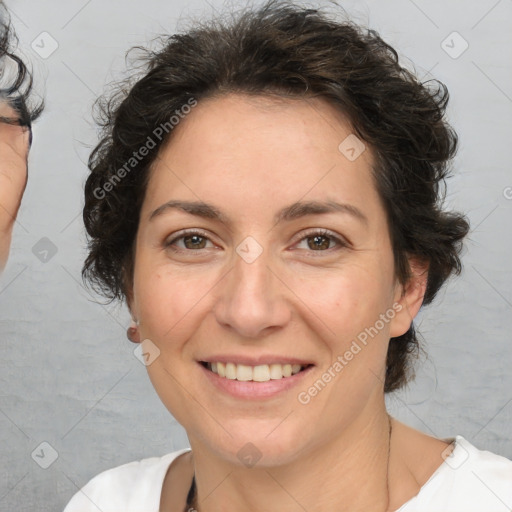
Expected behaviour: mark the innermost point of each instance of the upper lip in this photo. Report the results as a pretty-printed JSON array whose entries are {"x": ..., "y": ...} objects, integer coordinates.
[{"x": 255, "y": 360}]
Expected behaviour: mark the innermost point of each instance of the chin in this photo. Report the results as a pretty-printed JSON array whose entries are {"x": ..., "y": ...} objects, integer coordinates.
[{"x": 259, "y": 444}]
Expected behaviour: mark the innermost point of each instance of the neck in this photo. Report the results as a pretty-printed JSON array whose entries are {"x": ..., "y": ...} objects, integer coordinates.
[{"x": 350, "y": 473}]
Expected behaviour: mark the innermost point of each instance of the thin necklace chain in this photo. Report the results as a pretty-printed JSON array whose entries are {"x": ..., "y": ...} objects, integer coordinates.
[{"x": 191, "y": 505}]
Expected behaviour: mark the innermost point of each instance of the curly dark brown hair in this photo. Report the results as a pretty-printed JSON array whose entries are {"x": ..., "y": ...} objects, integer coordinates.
[
  {"x": 285, "y": 50},
  {"x": 16, "y": 82}
]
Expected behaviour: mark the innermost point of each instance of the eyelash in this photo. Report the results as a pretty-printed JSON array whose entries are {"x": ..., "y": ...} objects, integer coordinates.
[{"x": 309, "y": 234}]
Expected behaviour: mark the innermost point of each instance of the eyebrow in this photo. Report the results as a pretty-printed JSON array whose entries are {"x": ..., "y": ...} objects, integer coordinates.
[{"x": 288, "y": 213}]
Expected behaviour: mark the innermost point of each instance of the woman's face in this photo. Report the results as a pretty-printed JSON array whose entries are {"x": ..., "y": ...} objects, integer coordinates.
[{"x": 268, "y": 283}]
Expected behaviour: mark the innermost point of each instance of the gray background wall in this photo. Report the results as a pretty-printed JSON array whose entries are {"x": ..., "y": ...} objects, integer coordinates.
[{"x": 68, "y": 375}]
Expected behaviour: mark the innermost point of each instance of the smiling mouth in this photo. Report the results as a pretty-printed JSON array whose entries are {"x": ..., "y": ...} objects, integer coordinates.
[{"x": 259, "y": 373}]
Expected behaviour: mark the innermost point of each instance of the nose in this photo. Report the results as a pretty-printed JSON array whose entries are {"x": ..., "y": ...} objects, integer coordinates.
[{"x": 253, "y": 300}]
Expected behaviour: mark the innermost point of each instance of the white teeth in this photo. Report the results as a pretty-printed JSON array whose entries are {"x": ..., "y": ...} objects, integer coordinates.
[
  {"x": 276, "y": 371},
  {"x": 243, "y": 372},
  {"x": 230, "y": 371},
  {"x": 260, "y": 373}
]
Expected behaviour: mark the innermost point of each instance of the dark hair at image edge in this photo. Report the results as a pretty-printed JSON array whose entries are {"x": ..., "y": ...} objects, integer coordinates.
[
  {"x": 15, "y": 87},
  {"x": 283, "y": 50}
]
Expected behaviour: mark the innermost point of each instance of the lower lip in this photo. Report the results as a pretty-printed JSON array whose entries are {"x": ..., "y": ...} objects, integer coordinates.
[{"x": 251, "y": 389}]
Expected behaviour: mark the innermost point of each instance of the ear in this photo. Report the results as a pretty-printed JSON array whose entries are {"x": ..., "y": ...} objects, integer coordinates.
[
  {"x": 409, "y": 297},
  {"x": 132, "y": 333},
  {"x": 127, "y": 290}
]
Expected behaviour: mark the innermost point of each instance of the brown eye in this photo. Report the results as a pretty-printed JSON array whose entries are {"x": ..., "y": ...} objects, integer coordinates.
[
  {"x": 318, "y": 242},
  {"x": 191, "y": 241},
  {"x": 322, "y": 240}
]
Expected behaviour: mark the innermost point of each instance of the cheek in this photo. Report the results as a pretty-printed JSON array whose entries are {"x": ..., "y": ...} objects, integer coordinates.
[
  {"x": 353, "y": 297},
  {"x": 351, "y": 303},
  {"x": 166, "y": 300}
]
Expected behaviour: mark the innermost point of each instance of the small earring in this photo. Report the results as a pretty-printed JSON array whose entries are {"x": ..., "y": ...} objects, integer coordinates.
[{"x": 132, "y": 332}]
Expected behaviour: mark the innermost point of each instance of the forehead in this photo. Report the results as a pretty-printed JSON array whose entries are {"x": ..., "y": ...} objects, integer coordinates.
[{"x": 253, "y": 152}]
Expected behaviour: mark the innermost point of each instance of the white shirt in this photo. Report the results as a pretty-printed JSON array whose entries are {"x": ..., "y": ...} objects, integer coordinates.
[{"x": 469, "y": 480}]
